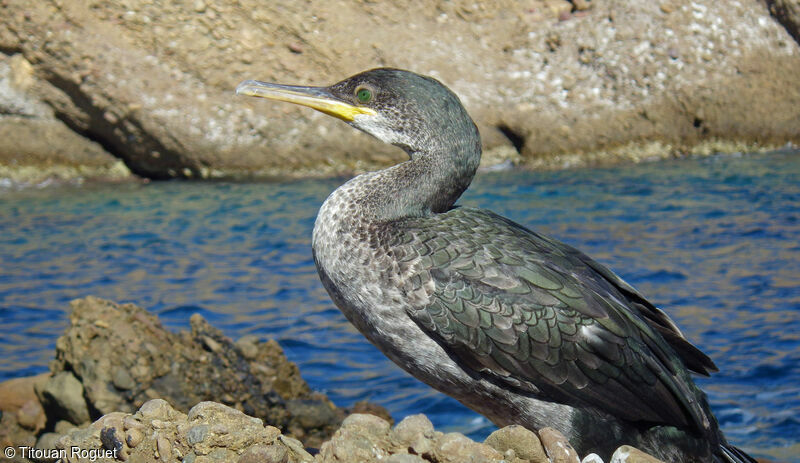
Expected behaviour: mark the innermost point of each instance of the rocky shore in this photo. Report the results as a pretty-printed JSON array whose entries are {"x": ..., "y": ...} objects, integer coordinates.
[
  {"x": 122, "y": 388},
  {"x": 144, "y": 88}
]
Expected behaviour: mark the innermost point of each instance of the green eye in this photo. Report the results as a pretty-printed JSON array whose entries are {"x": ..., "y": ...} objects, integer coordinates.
[{"x": 363, "y": 95}]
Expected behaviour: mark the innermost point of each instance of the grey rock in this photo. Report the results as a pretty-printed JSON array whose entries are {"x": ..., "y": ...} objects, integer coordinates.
[
  {"x": 197, "y": 433},
  {"x": 47, "y": 441},
  {"x": 592, "y": 458},
  {"x": 122, "y": 379},
  {"x": 63, "y": 393}
]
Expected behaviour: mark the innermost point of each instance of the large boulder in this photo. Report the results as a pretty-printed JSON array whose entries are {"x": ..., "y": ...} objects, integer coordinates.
[
  {"x": 116, "y": 357},
  {"x": 550, "y": 83},
  {"x": 35, "y": 146}
]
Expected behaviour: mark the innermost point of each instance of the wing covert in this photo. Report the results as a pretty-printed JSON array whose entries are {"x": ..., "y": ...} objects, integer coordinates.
[{"x": 520, "y": 309}]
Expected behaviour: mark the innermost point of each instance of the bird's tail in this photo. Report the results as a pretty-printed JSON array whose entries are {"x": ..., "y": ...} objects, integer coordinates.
[{"x": 731, "y": 454}]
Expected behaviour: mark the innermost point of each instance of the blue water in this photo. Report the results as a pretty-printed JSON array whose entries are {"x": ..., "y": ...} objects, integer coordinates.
[{"x": 714, "y": 241}]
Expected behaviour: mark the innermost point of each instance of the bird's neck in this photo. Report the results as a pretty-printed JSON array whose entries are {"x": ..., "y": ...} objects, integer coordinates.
[{"x": 430, "y": 182}]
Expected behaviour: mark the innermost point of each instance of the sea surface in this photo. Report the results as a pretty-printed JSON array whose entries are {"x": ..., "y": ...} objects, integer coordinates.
[{"x": 714, "y": 241}]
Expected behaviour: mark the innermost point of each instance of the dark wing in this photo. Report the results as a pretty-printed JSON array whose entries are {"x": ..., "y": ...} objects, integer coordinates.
[{"x": 542, "y": 317}]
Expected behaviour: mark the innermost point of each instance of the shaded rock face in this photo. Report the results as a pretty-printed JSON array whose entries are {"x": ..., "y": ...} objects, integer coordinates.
[
  {"x": 550, "y": 82},
  {"x": 36, "y": 147},
  {"x": 118, "y": 357},
  {"x": 787, "y": 12}
]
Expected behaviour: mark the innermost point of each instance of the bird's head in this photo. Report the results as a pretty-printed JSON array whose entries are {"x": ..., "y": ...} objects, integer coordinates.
[{"x": 393, "y": 105}]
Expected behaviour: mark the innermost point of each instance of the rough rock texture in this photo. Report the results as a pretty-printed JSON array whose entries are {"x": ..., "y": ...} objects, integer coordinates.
[
  {"x": 787, "y": 12},
  {"x": 118, "y": 357},
  {"x": 557, "y": 446},
  {"x": 37, "y": 148},
  {"x": 550, "y": 83},
  {"x": 214, "y": 432},
  {"x": 157, "y": 432}
]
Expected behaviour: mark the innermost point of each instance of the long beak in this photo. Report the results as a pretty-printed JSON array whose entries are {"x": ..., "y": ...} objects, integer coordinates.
[{"x": 319, "y": 98}]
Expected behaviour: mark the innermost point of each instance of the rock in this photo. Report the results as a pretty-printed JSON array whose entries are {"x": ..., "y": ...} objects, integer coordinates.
[
  {"x": 411, "y": 429},
  {"x": 582, "y": 5},
  {"x": 18, "y": 397},
  {"x": 364, "y": 407},
  {"x": 264, "y": 454},
  {"x": 124, "y": 357},
  {"x": 47, "y": 441},
  {"x": 592, "y": 458},
  {"x": 162, "y": 433},
  {"x": 628, "y": 454},
  {"x": 62, "y": 427},
  {"x": 157, "y": 92},
  {"x": 557, "y": 446},
  {"x": 522, "y": 441},
  {"x": 455, "y": 448},
  {"x": 35, "y": 146},
  {"x": 787, "y": 12},
  {"x": 360, "y": 438},
  {"x": 63, "y": 394}
]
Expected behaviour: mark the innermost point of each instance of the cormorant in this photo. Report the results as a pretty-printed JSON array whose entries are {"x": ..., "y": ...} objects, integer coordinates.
[{"x": 520, "y": 327}]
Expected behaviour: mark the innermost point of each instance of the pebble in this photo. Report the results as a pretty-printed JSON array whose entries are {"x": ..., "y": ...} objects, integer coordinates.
[
  {"x": 163, "y": 447},
  {"x": 369, "y": 424},
  {"x": 155, "y": 409},
  {"x": 112, "y": 438},
  {"x": 134, "y": 437},
  {"x": 122, "y": 379},
  {"x": 592, "y": 458},
  {"x": 628, "y": 454},
  {"x": 522, "y": 441},
  {"x": 557, "y": 446},
  {"x": 411, "y": 428},
  {"x": 197, "y": 434},
  {"x": 30, "y": 415}
]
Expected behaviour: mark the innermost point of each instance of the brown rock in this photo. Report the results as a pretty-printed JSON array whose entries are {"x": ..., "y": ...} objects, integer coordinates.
[
  {"x": 35, "y": 146},
  {"x": 455, "y": 448},
  {"x": 165, "y": 434},
  {"x": 522, "y": 441},
  {"x": 582, "y": 5},
  {"x": 17, "y": 396},
  {"x": 787, "y": 12},
  {"x": 557, "y": 446},
  {"x": 265, "y": 454},
  {"x": 157, "y": 91},
  {"x": 124, "y": 357}
]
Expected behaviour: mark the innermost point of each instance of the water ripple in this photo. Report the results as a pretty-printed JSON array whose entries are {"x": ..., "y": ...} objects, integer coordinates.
[{"x": 713, "y": 241}]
